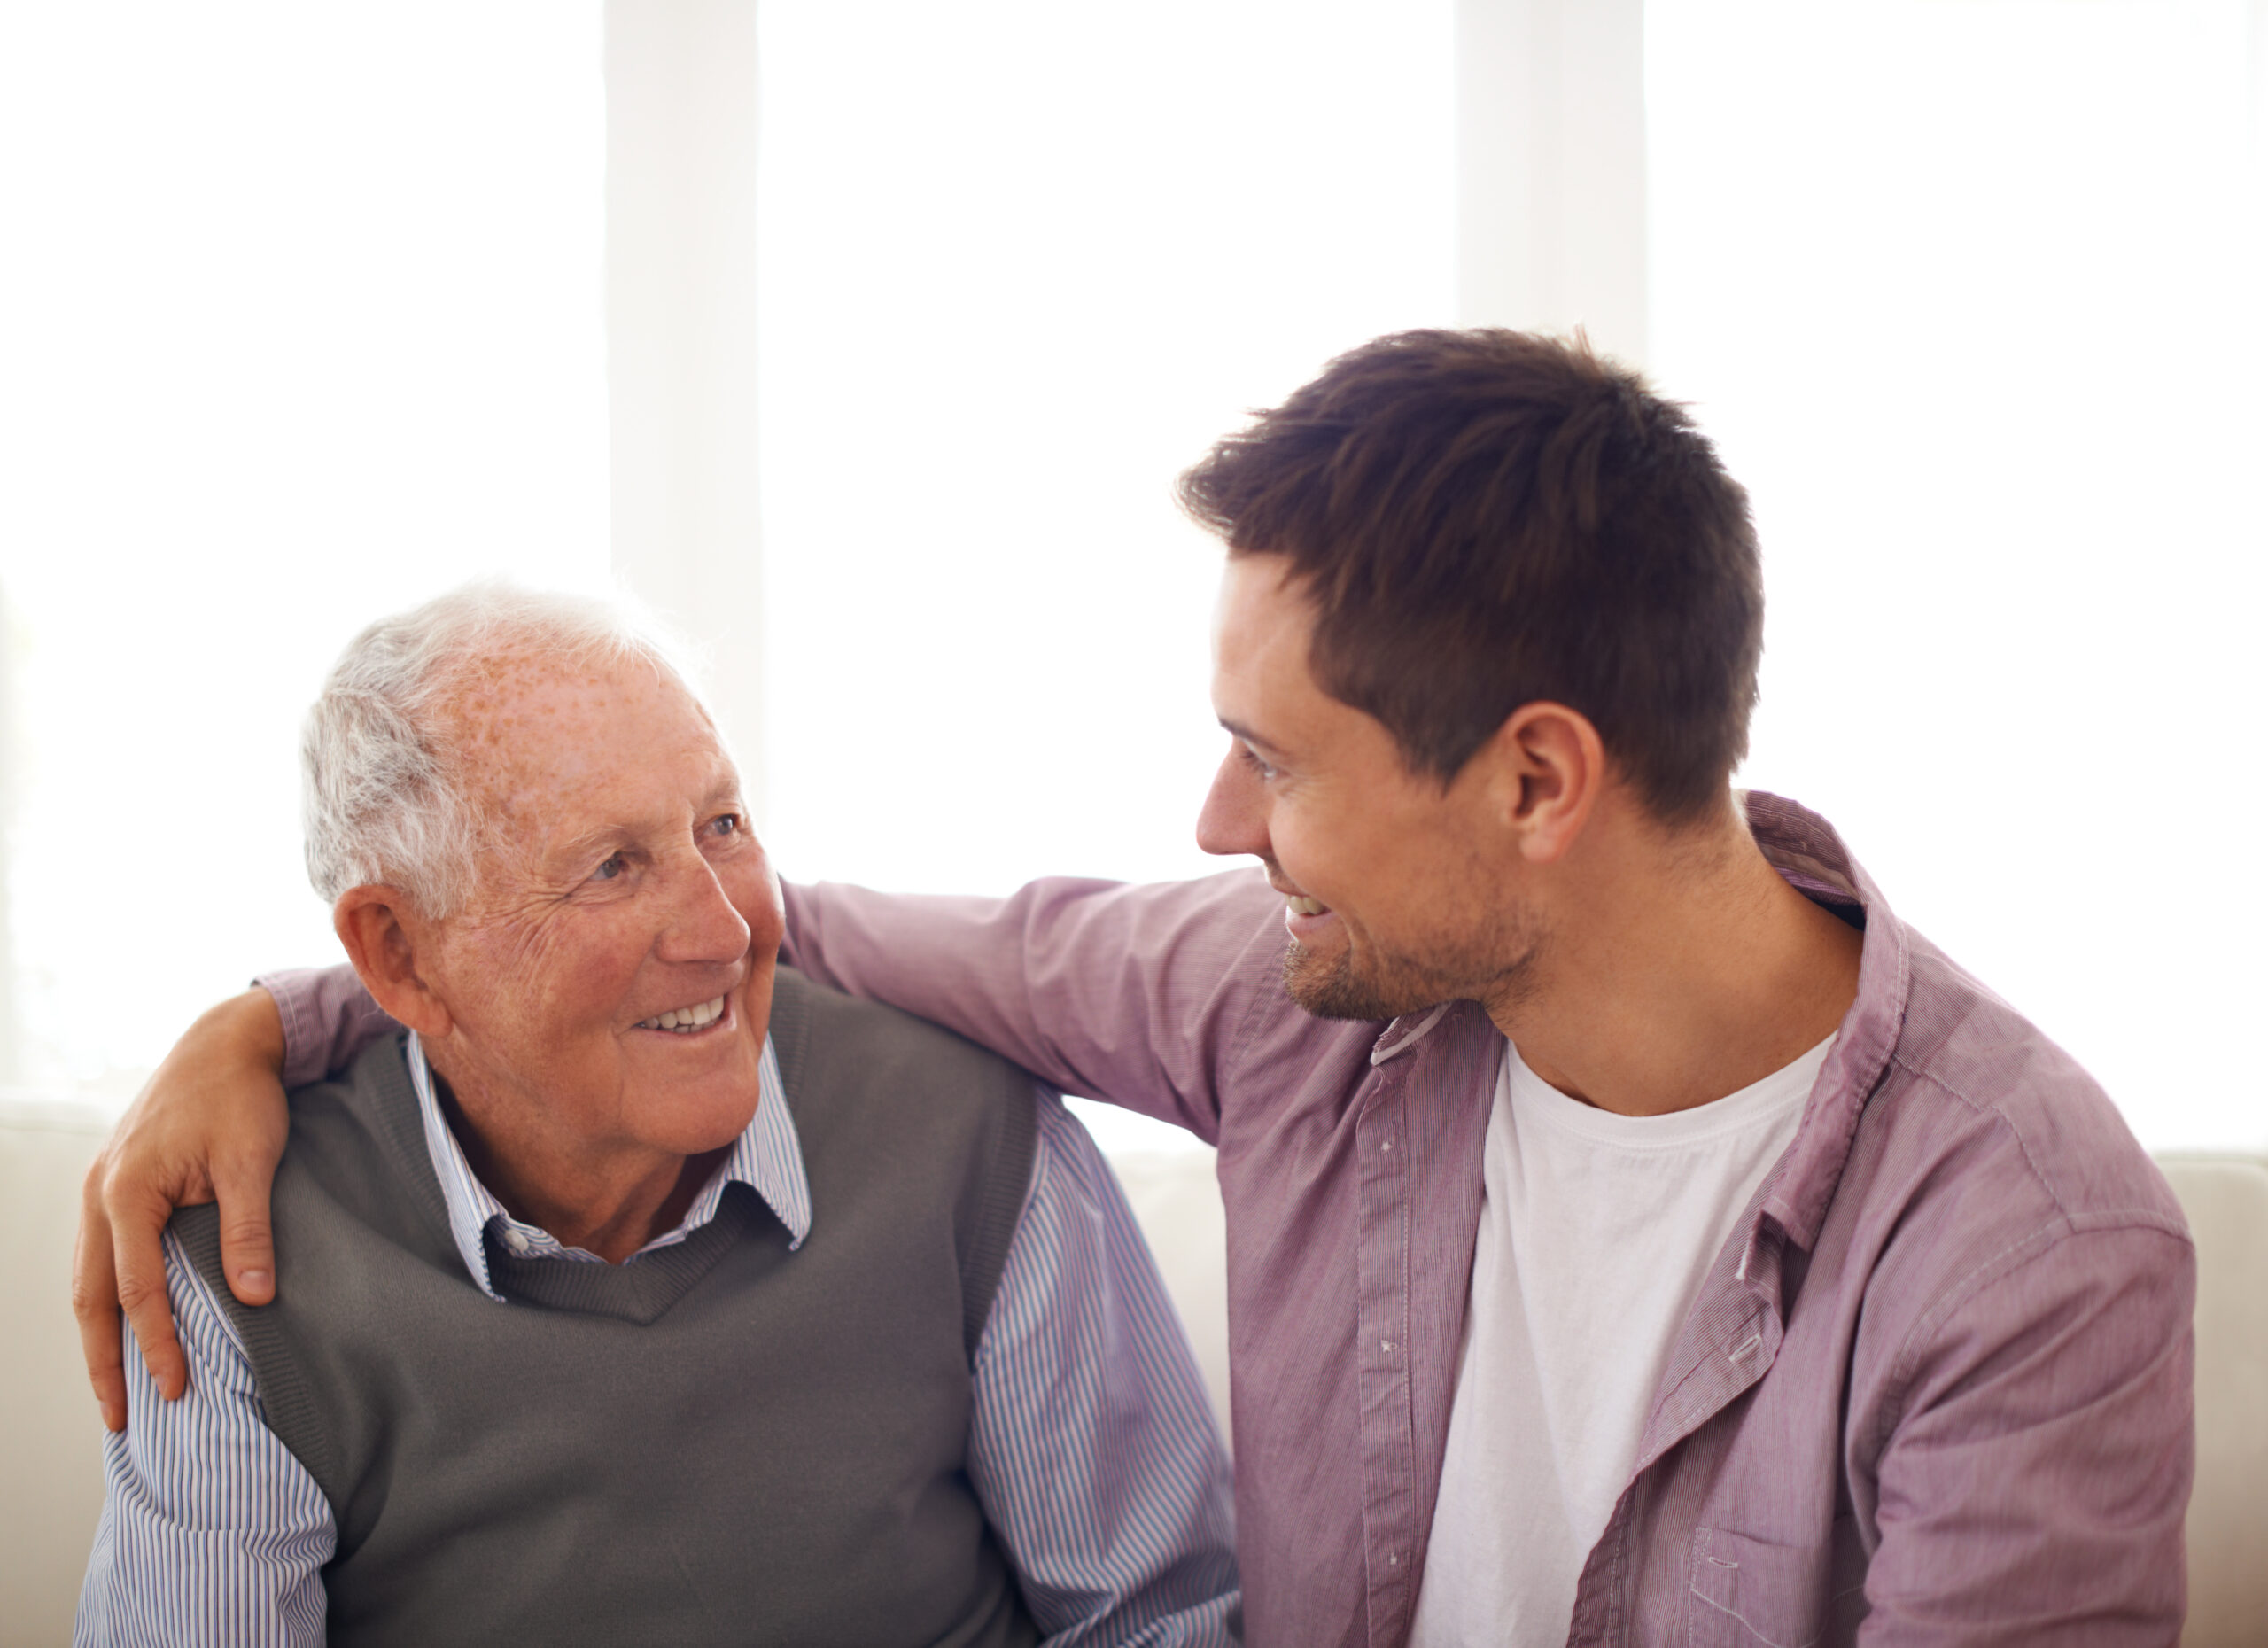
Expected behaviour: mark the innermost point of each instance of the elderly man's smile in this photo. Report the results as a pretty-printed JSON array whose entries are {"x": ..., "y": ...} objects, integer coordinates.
[{"x": 692, "y": 1020}]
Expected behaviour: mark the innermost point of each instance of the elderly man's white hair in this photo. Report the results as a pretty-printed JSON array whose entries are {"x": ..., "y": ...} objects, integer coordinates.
[{"x": 384, "y": 797}]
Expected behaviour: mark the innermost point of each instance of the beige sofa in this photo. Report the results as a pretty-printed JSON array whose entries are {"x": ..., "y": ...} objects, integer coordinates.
[{"x": 51, "y": 1441}]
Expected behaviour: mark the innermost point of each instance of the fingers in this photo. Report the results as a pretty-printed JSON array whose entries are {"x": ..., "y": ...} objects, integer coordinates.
[
  {"x": 94, "y": 1300},
  {"x": 138, "y": 1228},
  {"x": 216, "y": 1095},
  {"x": 247, "y": 1250}
]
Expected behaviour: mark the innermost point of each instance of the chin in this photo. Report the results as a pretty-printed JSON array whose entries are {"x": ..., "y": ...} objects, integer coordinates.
[
  {"x": 697, "y": 1115},
  {"x": 1379, "y": 986},
  {"x": 1330, "y": 989}
]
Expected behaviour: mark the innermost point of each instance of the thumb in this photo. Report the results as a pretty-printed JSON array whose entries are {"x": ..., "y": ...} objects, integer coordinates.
[{"x": 247, "y": 1246}]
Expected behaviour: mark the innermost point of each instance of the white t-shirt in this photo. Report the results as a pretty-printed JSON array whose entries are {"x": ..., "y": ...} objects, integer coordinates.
[{"x": 1595, "y": 1231}]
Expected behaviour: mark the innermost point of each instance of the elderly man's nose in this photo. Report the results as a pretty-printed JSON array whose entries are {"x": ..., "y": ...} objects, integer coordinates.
[{"x": 704, "y": 926}]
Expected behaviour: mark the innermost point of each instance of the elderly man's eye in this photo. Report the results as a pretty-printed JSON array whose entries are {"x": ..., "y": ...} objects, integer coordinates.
[
  {"x": 611, "y": 868},
  {"x": 725, "y": 824}
]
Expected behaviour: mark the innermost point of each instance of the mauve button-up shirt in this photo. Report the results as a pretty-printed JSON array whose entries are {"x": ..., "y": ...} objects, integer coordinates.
[{"x": 1936, "y": 1388}]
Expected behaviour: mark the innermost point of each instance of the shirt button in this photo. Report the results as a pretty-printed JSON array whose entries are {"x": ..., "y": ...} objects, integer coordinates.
[
  {"x": 1387, "y": 1146},
  {"x": 1386, "y": 1344},
  {"x": 1393, "y": 1557},
  {"x": 516, "y": 1242}
]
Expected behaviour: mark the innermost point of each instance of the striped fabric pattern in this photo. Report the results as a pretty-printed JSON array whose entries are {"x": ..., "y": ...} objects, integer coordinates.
[
  {"x": 1092, "y": 1447},
  {"x": 212, "y": 1532},
  {"x": 767, "y": 1157}
]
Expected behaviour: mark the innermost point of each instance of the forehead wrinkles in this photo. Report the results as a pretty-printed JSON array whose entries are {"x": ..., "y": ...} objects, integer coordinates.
[{"x": 511, "y": 722}]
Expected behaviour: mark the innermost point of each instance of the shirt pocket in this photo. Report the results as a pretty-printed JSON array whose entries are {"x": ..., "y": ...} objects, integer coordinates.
[{"x": 1752, "y": 1593}]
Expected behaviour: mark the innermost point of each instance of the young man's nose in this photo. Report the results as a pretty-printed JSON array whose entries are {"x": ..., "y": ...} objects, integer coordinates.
[{"x": 1234, "y": 818}]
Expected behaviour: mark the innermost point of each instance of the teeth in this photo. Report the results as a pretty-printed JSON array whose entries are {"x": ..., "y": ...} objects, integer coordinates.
[
  {"x": 1305, "y": 907},
  {"x": 687, "y": 1018}
]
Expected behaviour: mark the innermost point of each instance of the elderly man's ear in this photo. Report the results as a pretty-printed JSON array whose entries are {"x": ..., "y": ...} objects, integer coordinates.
[{"x": 380, "y": 933}]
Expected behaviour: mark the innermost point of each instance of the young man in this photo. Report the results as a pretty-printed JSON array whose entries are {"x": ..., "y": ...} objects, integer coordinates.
[{"x": 1637, "y": 1233}]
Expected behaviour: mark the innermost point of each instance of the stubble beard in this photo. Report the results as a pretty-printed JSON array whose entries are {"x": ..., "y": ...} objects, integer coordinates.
[{"x": 1494, "y": 965}]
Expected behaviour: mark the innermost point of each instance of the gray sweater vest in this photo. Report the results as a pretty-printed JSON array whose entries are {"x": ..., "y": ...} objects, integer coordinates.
[{"x": 723, "y": 1441}]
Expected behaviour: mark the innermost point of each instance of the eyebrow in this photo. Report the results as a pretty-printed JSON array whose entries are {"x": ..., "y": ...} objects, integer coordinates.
[{"x": 1249, "y": 736}]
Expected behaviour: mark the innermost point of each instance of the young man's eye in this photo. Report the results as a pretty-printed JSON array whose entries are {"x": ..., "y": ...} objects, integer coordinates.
[{"x": 1251, "y": 760}]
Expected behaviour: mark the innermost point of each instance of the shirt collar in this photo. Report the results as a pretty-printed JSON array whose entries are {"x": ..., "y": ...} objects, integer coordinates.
[
  {"x": 768, "y": 1158},
  {"x": 1806, "y": 850},
  {"x": 1810, "y": 855}
]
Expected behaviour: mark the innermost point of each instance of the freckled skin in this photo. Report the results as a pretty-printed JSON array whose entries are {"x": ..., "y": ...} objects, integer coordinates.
[{"x": 618, "y": 882}]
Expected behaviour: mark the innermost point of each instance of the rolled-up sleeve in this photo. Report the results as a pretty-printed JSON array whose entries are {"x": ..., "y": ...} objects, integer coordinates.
[{"x": 328, "y": 1018}]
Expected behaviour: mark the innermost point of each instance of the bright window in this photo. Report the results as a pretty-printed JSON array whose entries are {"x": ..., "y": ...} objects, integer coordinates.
[
  {"x": 1022, "y": 262},
  {"x": 299, "y": 323},
  {"x": 303, "y": 322}
]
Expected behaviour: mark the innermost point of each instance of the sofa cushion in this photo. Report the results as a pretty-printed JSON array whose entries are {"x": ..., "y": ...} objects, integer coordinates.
[
  {"x": 50, "y": 1437},
  {"x": 2226, "y": 1200}
]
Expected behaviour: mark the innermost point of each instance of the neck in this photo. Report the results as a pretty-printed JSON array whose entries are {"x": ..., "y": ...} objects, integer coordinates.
[
  {"x": 1680, "y": 970},
  {"x": 607, "y": 1203}
]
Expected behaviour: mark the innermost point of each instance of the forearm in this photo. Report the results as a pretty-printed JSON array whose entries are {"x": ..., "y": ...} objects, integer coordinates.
[{"x": 1132, "y": 994}]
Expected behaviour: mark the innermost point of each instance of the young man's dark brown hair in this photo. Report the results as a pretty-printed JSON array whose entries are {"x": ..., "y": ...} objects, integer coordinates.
[{"x": 1486, "y": 519}]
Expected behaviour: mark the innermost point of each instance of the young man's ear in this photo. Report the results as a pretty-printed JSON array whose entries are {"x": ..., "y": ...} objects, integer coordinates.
[
  {"x": 1550, "y": 768},
  {"x": 380, "y": 932}
]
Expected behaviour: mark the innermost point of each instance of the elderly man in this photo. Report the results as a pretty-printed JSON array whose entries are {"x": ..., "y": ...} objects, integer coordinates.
[{"x": 644, "y": 1291}]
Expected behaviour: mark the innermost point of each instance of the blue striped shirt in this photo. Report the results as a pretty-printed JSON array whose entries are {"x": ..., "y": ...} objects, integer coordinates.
[{"x": 1091, "y": 1447}]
